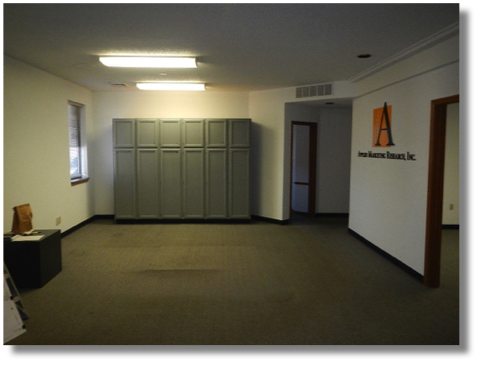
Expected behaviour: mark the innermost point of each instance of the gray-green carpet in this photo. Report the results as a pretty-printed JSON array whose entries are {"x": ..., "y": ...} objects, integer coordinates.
[{"x": 308, "y": 283}]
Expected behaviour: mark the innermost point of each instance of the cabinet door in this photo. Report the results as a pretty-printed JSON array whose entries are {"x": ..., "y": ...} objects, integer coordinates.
[
  {"x": 171, "y": 183},
  {"x": 193, "y": 133},
  {"x": 239, "y": 133},
  {"x": 239, "y": 184},
  {"x": 216, "y": 133},
  {"x": 216, "y": 183},
  {"x": 170, "y": 133},
  {"x": 193, "y": 193},
  {"x": 124, "y": 133},
  {"x": 147, "y": 183},
  {"x": 147, "y": 133},
  {"x": 124, "y": 190}
]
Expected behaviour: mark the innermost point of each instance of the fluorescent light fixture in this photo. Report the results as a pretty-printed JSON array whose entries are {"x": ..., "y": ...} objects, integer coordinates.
[
  {"x": 153, "y": 62},
  {"x": 171, "y": 86}
]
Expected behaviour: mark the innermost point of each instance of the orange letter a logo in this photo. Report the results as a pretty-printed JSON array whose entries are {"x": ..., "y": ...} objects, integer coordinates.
[{"x": 381, "y": 115}]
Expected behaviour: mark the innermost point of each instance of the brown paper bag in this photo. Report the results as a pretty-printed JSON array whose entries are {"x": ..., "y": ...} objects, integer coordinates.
[{"x": 22, "y": 219}]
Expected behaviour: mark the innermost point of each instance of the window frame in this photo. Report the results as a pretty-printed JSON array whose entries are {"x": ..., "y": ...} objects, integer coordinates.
[{"x": 82, "y": 177}]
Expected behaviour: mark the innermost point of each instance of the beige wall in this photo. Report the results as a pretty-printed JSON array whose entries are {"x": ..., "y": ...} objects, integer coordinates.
[{"x": 36, "y": 157}]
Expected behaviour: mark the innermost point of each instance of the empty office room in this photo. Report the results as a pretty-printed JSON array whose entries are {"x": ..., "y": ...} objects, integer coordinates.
[{"x": 265, "y": 174}]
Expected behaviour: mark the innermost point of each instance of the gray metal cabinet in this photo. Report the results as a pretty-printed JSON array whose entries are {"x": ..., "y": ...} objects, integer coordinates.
[
  {"x": 146, "y": 133},
  {"x": 193, "y": 183},
  {"x": 216, "y": 133},
  {"x": 125, "y": 183},
  {"x": 238, "y": 192},
  {"x": 147, "y": 183},
  {"x": 171, "y": 182},
  {"x": 239, "y": 133},
  {"x": 193, "y": 132},
  {"x": 216, "y": 177},
  {"x": 124, "y": 133},
  {"x": 170, "y": 133},
  {"x": 181, "y": 168}
]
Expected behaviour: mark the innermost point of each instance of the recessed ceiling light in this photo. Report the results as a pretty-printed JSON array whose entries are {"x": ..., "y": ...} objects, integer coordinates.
[
  {"x": 152, "y": 62},
  {"x": 171, "y": 86},
  {"x": 365, "y": 55}
]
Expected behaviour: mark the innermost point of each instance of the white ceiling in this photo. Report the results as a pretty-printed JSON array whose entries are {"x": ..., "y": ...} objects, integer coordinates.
[{"x": 239, "y": 47}]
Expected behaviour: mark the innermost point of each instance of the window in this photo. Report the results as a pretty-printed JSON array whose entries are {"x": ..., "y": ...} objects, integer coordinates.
[{"x": 77, "y": 150}]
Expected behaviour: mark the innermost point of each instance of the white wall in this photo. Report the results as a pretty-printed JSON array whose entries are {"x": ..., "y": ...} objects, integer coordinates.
[
  {"x": 333, "y": 164},
  {"x": 151, "y": 104},
  {"x": 36, "y": 148},
  {"x": 270, "y": 187},
  {"x": 388, "y": 197}
]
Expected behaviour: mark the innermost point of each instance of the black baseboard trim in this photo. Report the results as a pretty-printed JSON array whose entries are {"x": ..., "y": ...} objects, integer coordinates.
[
  {"x": 177, "y": 221},
  {"x": 149, "y": 221},
  {"x": 270, "y": 220},
  {"x": 104, "y": 216},
  {"x": 181, "y": 221},
  {"x": 389, "y": 257},
  {"x": 78, "y": 226},
  {"x": 451, "y": 226},
  {"x": 85, "y": 222},
  {"x": 320, "y": 215},
  {"x": 332, "y": 215}
]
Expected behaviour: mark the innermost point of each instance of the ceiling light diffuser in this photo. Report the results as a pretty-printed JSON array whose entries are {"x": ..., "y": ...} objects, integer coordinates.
[
  {"x": 171, "y": 86},
  {"x": 152, "y": 62}
]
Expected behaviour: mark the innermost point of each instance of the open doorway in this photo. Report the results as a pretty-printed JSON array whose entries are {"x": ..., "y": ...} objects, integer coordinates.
[
  {"x": 436, "y": 174},
  {"x": 303, "y": 168},
  {"x": 330, "y": 184}
]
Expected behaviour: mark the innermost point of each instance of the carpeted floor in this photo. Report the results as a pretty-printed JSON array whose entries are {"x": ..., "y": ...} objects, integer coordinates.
[{"x": 308, "y": 283}]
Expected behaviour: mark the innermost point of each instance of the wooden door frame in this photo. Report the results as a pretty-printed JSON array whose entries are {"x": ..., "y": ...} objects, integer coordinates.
[
  {"x": 312, "y": 167},
  {"x": 436, "y": 169}
]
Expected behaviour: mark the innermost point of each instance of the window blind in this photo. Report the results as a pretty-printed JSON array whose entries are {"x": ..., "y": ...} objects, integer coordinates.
[{"x": 74, "y": 119}]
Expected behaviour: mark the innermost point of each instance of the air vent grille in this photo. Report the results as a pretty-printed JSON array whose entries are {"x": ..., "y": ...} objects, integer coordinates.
[
  {"x": 313, "y": 90},
  {"x": 117, "y": 84}
]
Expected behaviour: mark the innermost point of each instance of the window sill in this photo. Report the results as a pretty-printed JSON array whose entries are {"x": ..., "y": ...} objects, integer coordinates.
[{"x": 80, "y": 180}]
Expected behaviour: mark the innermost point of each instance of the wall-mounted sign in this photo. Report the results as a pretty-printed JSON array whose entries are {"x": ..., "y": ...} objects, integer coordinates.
[
  {"x": 382, "y": 136},
  {"x": 407, "y": 156}
]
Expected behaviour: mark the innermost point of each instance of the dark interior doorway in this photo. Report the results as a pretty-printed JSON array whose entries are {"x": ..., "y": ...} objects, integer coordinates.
[
  {"x": 303, "y": 171},
  {"x": 433, "y": 237}
]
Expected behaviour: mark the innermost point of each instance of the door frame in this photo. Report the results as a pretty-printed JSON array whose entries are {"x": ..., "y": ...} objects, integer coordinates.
[
  {"x": 312, "y": 165},
  {"x": 436, "y": 169}
]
